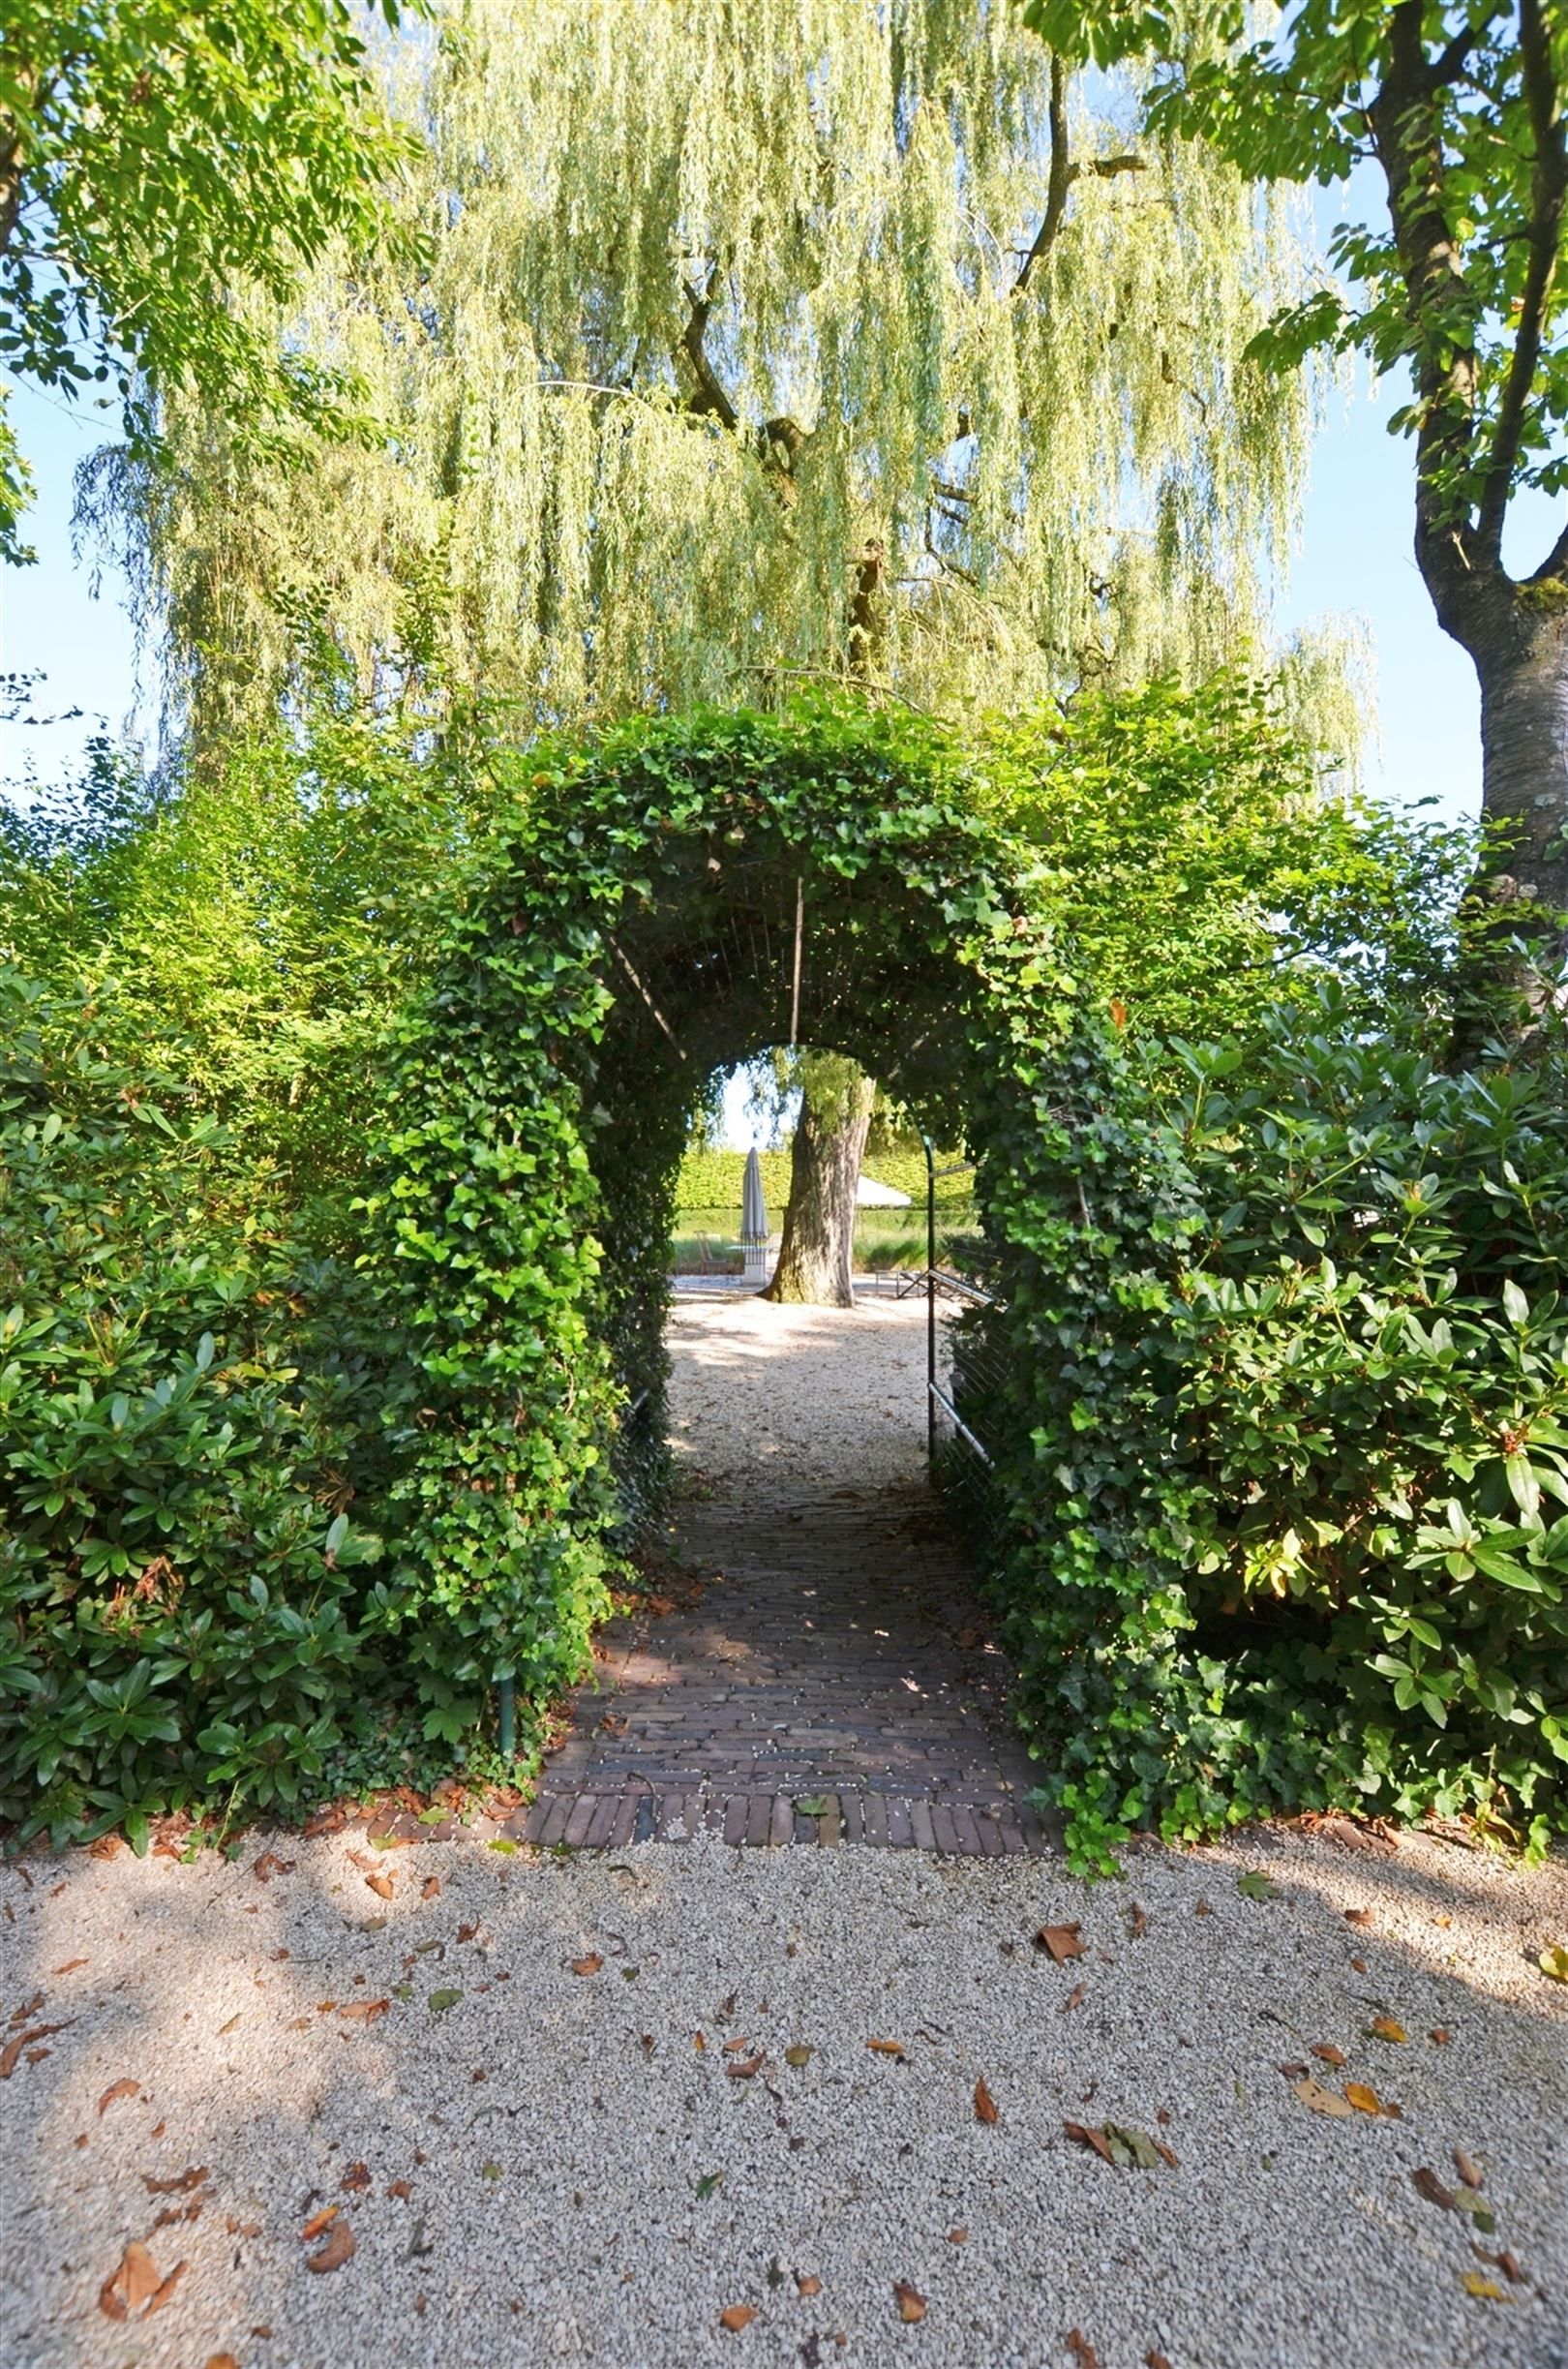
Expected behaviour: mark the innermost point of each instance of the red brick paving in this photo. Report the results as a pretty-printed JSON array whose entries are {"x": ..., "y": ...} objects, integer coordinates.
[{"x": 833, "y": 1653}]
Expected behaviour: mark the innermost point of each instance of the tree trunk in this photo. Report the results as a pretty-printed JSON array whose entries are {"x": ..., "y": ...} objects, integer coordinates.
[
  {"x": 1519, "y": 646},
  {"x": 816, "y": 1257}
]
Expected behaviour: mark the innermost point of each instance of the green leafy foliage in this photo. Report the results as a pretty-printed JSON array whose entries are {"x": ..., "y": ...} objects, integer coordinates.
[
  {"x": 1281, "y": 1432},
  {"x": 186, "y": 1601},
  {"x": 157, "y": 163}
]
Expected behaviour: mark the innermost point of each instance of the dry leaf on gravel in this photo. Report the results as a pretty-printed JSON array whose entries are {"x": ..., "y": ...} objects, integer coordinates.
[
  {"x": 1426, "y": 2183},
  {"x": 70, "y": 1966},
  {"x": 1468, "y": 2170},
  {"x": 1140, "y": 1922},
  {"x": 737, "y": 2316},
  {"x": 1439, "y": 2036},
  {"x": 1365, "y": 2101},
  {"x": 118, "y": 2089},
  {"x": 380, "y": 1885},
  {"x": 1486, "y": 2290},
  {"x": 430, "y": 1889},
  {"x": 1155, "y": 2360},
  {"x": 10, "y": 2054},
  {"x": 1554, "y": 1963},
  {"x": 336, "y": 2251},
  {"x": 1203, "y": 1909},
  {"x": 270, "y": 1865},
  {"x": 889, "y": 2047},
  {"x": 1331, "y": 2055},
  {"x": 220, "y": 2360},
  {"x": 357, "y": 2179},
  {"x": 135, "y": 2285},
  {"x": 1074, "y": 1998},
  {"x": 986, "y": 2109},
  {"x": 958, "y": 2237},
  {"x": 909, "y": 2302},
  {"x": 1081, "y": 2349},
  {"x": 1321, "y": 2101},
  {"x": 743, "y": 2069},
  {"x": 400, "y": 2189},
  {"x": 593, "y": 1963},
  {"x": 807, "y": 2284},
  {"x": 366, "y": 2011},
  {"x": 1384, "y": 2027},
  {"x": 1062, "y": 1941},
  {"x": 1507, "y": 2262},
  {"x": 180, "y": 2185},
  {"x": 1358, "y": 1916},
  {"x": 797, "y": 2056}
]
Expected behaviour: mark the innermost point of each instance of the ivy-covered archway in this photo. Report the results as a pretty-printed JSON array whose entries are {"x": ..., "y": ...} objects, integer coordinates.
[{"x": 630, "y": 925}]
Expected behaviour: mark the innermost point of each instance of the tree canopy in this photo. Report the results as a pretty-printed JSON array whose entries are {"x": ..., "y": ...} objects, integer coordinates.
[
  {"x": 755, "y": 344},
  {"x": 157, "y": 164}
]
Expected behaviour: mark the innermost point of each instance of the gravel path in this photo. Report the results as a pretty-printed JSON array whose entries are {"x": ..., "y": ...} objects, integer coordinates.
[
  {"x": 537, "y": 2165},
  {"x": 535, "y": 2151}
]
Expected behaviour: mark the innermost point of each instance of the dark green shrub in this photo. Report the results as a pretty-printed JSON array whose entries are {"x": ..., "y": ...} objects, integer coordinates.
[
  {"x": 183, "y": 1593},
  {"x": 1282, "y": 1435}
]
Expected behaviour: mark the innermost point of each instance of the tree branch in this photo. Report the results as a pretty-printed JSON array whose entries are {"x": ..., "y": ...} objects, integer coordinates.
[
  {"x": 711, "y": 396},
  {"x": 1549, "y": 198},
  {"x": 1061, "y": 175}
]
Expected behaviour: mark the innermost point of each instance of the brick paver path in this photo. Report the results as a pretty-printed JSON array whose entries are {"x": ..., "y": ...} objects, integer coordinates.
[{"x": 818, "y": 1648}]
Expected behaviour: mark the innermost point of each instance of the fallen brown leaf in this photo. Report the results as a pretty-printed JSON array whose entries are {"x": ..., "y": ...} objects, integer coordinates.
[
  {"x": 430, "y": 1888},
  {"x": 1468, "y": 2170},
  {"x": 1426, "y": 2183},
  {"x": 135, "y": 2285},
  {"x": 270, "y": 1865},
  {"x": 1203, "y": 1909},
  {"x": 1384, "y": 2027},
  {"x": 399, "y": 2187},
  {"x": 1076, "y": 1997},
  {"x": 737, "y": 2316},
  {"x": 1358, "y": 1916},
  {"x": 380, "y": 1885},
  {"x": 1365, "y": 2101},
  {"x": 1360, "y": 1964},
  {"x": 118, "y": 2089},
  {"x": 742, "y": 2070},
  {"x": 737, "y": 2046},
  {"x": 807, "y": 2284},
  {"x": 320, "y": 2221},
  {"x": 467, "y": 1932},
  {"x": 888, "y": 2047},
  {"x": 593, "y": 1963},
  {"x": 958, "y": 2237},
  {"x": 1506, "y": 2262},
  {"x": 1155, "y": 2360},
  {"x": 1140, "y": 1922},
  {"x": 1062, "y": 1941},
  {"x": 180, "y": 2185},
  {"x": 357, "y": 2179},
  {"x": 1089, "y": 2137},
  {"x": 1321, "y": 2101},
  {"x": 220, "y": 2360},
  {"x": 1331, "y": 2055},
  {"x": 1439, "y": 2036},
  {"x": 337, "y": 2250},
  {"x": 1081, "y": 2349},
  {"x": 10, "y": 2054},
  {"x": 70, "y": 1966},
  {"x": 909, "y": 2302},
  {"x": 366, "y": 2011},
  {"x": 986, "y": 2109}
]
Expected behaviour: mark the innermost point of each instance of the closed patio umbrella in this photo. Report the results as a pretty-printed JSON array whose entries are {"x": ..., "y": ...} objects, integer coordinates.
[{"x": 754, "y": 1220}]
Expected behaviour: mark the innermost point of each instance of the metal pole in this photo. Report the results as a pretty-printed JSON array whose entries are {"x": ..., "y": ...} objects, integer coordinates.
[{"x": 930, "y": 1305}]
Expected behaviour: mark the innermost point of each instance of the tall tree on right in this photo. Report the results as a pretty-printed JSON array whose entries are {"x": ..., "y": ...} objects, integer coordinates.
[{"x": 1460, "y": 104}]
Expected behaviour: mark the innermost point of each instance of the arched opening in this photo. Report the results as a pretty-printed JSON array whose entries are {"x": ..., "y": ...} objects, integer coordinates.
[{"x": 633, "y": 924}]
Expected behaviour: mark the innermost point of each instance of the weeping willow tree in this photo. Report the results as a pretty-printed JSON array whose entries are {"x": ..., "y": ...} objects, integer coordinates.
[{"x": 754, "y": 342}]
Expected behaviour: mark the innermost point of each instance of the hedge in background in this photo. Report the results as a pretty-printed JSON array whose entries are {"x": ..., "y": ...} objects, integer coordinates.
[{"x": 1283, "y": 1436}]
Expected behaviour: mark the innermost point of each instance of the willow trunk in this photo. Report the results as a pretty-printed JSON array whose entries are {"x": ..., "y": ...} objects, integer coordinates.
[{"x": 816, "y": 1259}]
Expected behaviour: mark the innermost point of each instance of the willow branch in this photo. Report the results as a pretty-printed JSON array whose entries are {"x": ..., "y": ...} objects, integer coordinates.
[{"x": 1062, "y": 173}]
